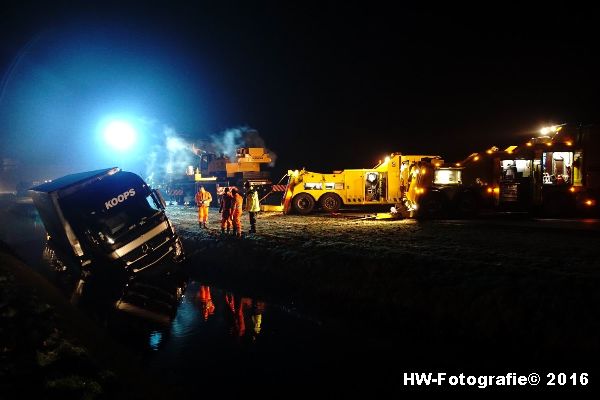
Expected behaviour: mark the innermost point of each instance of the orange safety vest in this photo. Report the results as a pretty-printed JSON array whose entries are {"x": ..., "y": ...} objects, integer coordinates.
[
  {"x": 237, "y": 203},
  {"x": 206, "y": 197}
]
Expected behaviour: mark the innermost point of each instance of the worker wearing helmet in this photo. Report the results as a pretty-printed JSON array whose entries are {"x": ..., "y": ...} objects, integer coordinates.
[
  {"x": 225, "y": 210},
  {"x": 203, "y": 199},
  {"x": 252, "y": 205},
  {"x": 237, "y": 202}
]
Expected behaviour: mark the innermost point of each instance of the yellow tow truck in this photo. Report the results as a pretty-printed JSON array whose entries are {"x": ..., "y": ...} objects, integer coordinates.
[{"x": 398, "y": 181}]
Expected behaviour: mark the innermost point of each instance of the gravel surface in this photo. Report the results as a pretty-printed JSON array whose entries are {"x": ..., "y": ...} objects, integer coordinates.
[{"x": 522, "y": 244}]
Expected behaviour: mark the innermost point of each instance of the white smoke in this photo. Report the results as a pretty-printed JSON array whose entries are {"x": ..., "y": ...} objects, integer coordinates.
[
  {"x": 179, "y": 152},
  {"x": 227, "y": 142},
  {"x": 172, "y": 153},
  {"x": 253, "y": 139}
]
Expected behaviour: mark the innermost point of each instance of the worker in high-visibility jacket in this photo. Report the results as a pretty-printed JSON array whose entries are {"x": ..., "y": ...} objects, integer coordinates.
[
  {"x": 237, "y": 202},
  {"x": 252, "y": 205},
  {"x": 203, "y": 199},
  {"x": 225, "y": 210}
]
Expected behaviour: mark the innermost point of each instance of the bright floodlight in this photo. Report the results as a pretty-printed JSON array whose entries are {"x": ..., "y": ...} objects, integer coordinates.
[
  {"x": 120, "y": 135},
  {"x": 549, "y": 129}
]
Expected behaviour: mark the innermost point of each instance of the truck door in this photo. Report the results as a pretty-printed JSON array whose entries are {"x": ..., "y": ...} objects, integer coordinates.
[{"x": 373, "y": 186}]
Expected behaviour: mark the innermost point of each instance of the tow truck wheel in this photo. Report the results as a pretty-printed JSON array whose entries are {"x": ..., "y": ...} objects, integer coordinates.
[
  {"x": 330, "y": 202},
  {"x": 303, "y": 203}
]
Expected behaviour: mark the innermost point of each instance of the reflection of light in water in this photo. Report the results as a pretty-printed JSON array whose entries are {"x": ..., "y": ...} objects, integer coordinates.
[
  {"x": 257, "y": 320},
  {"x": 155, "y": 339},
  {"x": 186, "y": 318}
]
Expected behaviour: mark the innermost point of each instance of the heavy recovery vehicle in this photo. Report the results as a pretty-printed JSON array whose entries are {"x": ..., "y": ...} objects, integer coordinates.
[
  {"x": 399, "y": 181},
  {"x": 554, "y": 174}
]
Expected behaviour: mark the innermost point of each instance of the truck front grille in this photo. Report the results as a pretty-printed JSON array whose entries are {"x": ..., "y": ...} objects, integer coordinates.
[{"x": 149, "y": 252}]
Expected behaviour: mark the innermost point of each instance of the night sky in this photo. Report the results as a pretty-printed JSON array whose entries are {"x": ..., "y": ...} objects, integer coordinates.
[{"x": 328, "y": 86}]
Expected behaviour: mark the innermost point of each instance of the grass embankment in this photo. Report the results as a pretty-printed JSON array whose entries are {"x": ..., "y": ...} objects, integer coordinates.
[{"x": 50, "y": 350}]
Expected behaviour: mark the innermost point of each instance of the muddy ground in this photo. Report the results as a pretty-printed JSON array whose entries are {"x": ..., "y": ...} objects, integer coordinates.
[{"x": 476, "y": 293}]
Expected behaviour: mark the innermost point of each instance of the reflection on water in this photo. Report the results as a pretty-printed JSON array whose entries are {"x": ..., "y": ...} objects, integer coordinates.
[
  {"x": 209, "y": 309},
  {"x": 155, "y": 339},
  {"x": 245, "y": 310},
  {"x": 220, "y": 335},
  {"x": 207, "y": 305}
]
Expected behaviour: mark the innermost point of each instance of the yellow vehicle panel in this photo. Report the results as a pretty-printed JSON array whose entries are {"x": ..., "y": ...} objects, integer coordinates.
[{"x": 385, "y": 184}]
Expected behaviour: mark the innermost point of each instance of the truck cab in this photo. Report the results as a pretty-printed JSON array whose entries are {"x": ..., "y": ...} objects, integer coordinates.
[{"x": 106, "y": 220}]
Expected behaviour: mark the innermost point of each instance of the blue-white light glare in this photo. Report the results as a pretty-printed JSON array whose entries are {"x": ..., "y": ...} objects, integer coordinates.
[
  {"x": 155, "y": 339},
  {"x": 120, "y": 135}
]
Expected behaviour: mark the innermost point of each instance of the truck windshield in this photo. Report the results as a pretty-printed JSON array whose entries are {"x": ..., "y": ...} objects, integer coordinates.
[
  {"x": 446, "y": 176},
  {"x": 557, "y": 167},
  {"x": 114, "y": 224},
  {"x": 110, "y": 209}
]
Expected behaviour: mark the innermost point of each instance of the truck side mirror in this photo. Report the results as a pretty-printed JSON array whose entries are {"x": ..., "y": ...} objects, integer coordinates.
[{"x": 160, "y": 198}]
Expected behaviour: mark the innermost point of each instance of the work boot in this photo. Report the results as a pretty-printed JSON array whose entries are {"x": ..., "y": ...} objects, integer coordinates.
[
  {"x": 204, "y": 225},
  {"x": 223, "y": 231}
]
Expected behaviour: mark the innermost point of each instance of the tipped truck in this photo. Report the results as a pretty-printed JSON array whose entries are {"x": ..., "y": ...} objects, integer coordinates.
[{"x": 107, "y": 220}]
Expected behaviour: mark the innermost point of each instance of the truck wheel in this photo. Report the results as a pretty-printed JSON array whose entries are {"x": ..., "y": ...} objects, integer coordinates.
[
  {"x": 330, "y": 202},
  {"x": 303, "y": 203}
]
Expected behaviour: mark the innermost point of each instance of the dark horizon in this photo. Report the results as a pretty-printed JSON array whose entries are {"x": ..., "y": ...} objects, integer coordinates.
[{"x": 328, "y": 87}]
